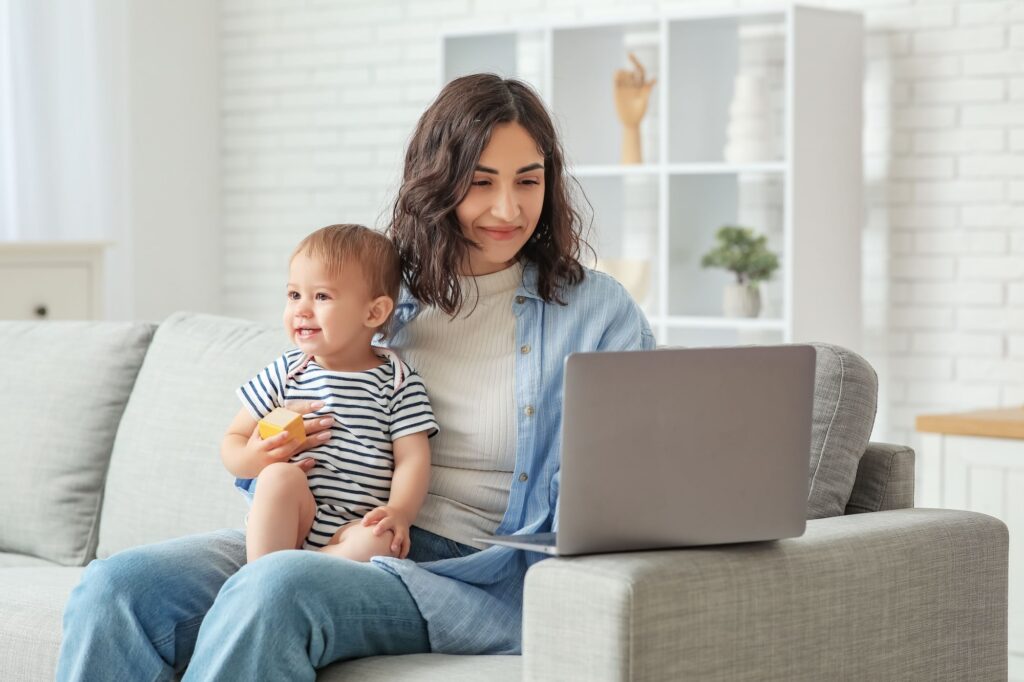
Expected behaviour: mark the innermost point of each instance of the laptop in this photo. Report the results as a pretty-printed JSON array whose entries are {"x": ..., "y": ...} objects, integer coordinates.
[{"x": 680, "y": 448}]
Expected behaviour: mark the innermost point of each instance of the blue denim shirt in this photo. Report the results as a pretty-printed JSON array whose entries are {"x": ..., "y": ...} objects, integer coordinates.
[{"x": 473, "y": 604}]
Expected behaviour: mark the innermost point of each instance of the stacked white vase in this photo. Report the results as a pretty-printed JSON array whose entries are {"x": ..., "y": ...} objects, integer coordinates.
[{"x": 749, "y": 134}]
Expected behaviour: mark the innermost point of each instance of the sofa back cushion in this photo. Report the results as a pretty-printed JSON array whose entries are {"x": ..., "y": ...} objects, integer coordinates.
[
  {"x": 845, "y": 398},
  {"x": 166, "y": 478},
  {"x": 63, "y": 389}
]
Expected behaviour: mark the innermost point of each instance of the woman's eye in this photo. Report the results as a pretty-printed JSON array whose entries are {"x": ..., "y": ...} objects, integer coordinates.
[
  {"x": 531, "y": 181},
  {"x": 481, "y": 183}
]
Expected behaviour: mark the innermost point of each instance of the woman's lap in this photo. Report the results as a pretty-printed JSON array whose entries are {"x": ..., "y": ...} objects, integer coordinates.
[{"x": 290, "y": 611}]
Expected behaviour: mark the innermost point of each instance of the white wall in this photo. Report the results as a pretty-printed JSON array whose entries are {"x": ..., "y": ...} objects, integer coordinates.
[
  {"x": 319, "y": 100},
  {"x": 169, "y": 256}
]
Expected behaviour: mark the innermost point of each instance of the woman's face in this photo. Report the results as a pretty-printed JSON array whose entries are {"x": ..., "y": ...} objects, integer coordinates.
[{"x": 500, "y": 212}]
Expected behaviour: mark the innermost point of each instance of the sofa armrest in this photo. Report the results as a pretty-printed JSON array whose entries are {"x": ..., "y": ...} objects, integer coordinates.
[
  {"x": 885, "y": 479},
  {"x": 906, "y": 594}
]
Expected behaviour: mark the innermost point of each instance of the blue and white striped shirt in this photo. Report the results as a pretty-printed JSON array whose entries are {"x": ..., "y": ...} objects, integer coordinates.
[
  {"x": 371, "y": 409},
  {"x": 473, "y": 604}
]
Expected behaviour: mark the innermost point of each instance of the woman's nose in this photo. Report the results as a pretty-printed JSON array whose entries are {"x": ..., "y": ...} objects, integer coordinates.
[{"x": 505, "y": 207}]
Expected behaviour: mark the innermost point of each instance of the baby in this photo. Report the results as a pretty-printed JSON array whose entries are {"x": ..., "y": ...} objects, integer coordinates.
[{"x": 371, "y": 421}]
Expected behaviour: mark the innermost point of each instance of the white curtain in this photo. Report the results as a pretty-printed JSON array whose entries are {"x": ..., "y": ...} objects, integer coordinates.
[{"x": 61, "y": 115}]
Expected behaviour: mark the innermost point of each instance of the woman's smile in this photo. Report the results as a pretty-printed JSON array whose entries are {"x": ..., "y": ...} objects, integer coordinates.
[{"x": 502, "y": 233}]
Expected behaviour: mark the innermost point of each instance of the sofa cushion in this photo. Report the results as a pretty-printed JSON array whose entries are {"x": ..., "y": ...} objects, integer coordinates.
[
  {"x": 65, "y": 385},
  {"x": 11, "y": 560},
  {"x": 845, "y": 395},
  {"x": 166, "y": 478},
  {"x": 30, "y": 620},
  {"x": 426, "y": 668}
]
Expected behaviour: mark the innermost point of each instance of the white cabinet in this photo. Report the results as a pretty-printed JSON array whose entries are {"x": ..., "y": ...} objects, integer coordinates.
[
  {"x": 51, "y": 281},
  {"x": 755, "y": 119}
]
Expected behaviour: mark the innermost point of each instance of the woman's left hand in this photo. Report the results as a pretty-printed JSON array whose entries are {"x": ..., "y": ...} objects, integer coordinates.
[{"x": 387, "y": 518}]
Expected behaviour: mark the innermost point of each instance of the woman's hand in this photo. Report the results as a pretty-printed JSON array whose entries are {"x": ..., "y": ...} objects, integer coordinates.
[
  {"x": 317, "y": 429},
  {"x": 384, "y": 519},
  {"x": 282, "y": 447},
  {"x": 246, "y": 454}
]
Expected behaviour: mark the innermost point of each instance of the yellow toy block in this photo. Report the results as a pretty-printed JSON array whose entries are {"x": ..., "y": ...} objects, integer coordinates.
[{"x": 282, "y": 419}]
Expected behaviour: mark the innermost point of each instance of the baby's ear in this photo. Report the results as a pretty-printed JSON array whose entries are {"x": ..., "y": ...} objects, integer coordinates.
[{"x": 378, "y": 311}]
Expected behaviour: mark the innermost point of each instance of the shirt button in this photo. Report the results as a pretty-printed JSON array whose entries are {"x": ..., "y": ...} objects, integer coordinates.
[
  {"x": 520, "y": 300},
  {"x": 524, "y": 349},
  {"x": 523, "y": 477},
  {"x": 528, "y": 411}
]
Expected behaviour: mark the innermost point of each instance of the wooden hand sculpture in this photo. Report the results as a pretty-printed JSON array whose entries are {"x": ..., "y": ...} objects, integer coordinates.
[{"x": 632, "y": 90}]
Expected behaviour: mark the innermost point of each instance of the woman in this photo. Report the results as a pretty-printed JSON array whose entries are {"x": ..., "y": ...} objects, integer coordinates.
[{"x": 495, "y": 299}]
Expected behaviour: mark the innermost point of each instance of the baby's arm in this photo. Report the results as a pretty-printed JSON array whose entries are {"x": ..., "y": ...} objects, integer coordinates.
[{"x": 409, "y": 485}]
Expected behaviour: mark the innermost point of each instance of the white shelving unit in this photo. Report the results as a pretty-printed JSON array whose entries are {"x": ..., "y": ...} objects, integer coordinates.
[{"x": 755, "y": 119}]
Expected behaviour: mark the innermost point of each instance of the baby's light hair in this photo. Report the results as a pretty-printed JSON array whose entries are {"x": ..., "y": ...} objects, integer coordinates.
[{"x": 336, "y": 245}]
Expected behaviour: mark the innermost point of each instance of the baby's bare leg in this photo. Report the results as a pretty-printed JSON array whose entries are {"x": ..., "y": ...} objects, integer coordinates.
[
  {"x": 282, "y": 511},
  {"x": 357, "y": 542}
]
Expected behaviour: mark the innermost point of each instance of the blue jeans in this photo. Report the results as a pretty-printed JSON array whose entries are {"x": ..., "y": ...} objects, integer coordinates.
[{"x": 148, "y": 612}]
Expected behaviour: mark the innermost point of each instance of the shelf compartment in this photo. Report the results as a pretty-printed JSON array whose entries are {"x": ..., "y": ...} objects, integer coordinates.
[
  {"x": 727, "y": 88},
  {"x": 703, "y": 338},
  {"x": 698, "y": 206},
  {"x": 733, "y": 323},
  {"x": 515, "y": 54},
  {"x": 583, "y": 65},
  {"x": 712, "y": 168},
  {"x": 624, "y": 232}
]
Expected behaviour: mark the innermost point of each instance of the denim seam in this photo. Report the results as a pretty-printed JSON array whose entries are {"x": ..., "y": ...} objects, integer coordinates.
[{"x": 194, "y": 622}]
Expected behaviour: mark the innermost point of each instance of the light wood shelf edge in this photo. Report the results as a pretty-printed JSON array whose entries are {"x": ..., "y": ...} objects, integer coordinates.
[{"x": 995, "y": 423}]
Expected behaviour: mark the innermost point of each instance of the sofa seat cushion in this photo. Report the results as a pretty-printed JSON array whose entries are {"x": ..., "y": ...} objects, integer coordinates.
[
  {"x": 30, "y": 620},
  {"x": 426, "y": 668},
  {"x": 66, "y": 386},
  {"x": 845, "y": 398},
  {"x": 11, "y": 560},
  {"x": 166, "y": 477}
]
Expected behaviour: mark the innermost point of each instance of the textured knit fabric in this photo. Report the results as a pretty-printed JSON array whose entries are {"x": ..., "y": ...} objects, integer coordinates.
[
  {"x": 911, "y": 594},
  {"x": 64, "y": 388},
  {"x": 885, "y": 479},
  {"x": 845, "y": 398},
  {"x": 370, "y": 408},
  {"x": 474, "y": 604},
  {"x": 469, "y": 360}
]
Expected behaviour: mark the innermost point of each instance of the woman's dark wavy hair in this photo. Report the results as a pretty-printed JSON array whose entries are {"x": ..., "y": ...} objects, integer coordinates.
[{"x": 439, "y": 166}]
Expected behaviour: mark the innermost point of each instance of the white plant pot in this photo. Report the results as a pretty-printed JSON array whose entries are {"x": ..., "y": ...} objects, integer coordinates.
[{"x": 741, "y": 300}]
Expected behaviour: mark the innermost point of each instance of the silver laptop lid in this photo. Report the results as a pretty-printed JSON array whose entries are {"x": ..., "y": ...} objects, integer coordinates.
[{"x": 682, "y": 447}]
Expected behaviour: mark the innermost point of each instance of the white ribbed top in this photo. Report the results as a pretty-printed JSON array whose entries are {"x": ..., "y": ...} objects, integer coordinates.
[{"x": 468, "y": 365}]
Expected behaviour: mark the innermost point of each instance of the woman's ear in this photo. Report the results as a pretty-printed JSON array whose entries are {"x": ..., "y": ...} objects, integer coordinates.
[{"x": 378, "y": 311}]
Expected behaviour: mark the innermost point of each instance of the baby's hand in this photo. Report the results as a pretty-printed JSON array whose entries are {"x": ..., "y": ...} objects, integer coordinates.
[{"x": 384, "y": 519}]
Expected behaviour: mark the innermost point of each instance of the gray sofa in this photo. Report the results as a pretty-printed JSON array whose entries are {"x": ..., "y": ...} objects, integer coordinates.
[{"x": 111, "y": 434}]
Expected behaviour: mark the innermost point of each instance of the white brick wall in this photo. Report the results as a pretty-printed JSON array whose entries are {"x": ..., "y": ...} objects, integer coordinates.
[{"x": 320, "y": 97}]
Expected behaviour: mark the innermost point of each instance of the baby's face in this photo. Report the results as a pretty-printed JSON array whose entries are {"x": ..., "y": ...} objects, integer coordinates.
[{"x": 325, "y": 313}]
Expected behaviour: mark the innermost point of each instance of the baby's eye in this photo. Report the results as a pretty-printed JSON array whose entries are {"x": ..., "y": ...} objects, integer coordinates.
[
  {"x": 293, "y": 295},
  {"x": 322, "y": 297}
]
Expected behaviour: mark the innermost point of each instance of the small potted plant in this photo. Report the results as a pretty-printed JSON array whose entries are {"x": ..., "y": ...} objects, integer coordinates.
[{"x": 746, "y": 255}]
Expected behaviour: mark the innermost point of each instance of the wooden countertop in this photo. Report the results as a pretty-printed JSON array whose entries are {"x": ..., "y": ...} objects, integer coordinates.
[{"x": 1007, "y": 422}]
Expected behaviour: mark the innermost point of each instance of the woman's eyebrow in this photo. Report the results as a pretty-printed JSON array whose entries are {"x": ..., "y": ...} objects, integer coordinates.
[{"x": 524, "y": 169}]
